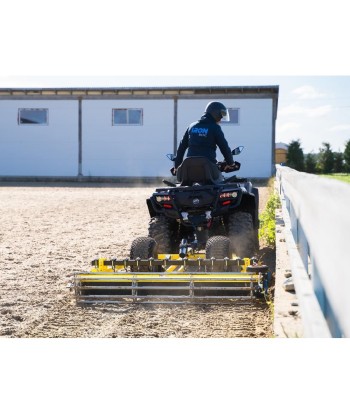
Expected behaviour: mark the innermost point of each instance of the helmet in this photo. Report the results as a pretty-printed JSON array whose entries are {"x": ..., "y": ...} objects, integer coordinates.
[{"x": 218, "y": 111}]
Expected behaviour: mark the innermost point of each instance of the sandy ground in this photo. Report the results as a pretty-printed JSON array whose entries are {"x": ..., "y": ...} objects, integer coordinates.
[{"x": 49, "y": 231}]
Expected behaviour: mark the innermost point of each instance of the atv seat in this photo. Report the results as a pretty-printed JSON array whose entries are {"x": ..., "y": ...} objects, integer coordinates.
[{"x": 198, "y": 170}]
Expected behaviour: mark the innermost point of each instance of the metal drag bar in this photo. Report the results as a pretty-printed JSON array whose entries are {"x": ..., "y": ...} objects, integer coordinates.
[
  {"x": 81, "y": 284},
  {"x": 166, "y": 277},
  {"x": 168, "y": 300}
]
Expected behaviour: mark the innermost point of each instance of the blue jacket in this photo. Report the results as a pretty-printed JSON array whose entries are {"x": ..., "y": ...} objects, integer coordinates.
[{"x": 202, "y": 138}]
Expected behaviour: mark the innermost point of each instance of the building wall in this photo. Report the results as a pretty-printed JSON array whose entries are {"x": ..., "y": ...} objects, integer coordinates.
[
  {"x": 39, "y": 150},
  {"x": 136, "y": 151},
  {"x": 280, "y": 155},
  {"x": 127, "y": 150}
]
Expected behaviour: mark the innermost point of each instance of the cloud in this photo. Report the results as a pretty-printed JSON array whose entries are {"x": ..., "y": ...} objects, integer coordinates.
[
  {"x": 319, "y": 111},
  {"x": 307, "y": 92},
  {"x": 287, "y": 126},
  {"x": 308, "y": 112},
  {"x": 291, "y": 110},
  {"x": 340, "y": 127}
]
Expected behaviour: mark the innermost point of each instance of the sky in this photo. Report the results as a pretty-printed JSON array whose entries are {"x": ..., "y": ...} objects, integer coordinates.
[{"x": 153, "y": 43}]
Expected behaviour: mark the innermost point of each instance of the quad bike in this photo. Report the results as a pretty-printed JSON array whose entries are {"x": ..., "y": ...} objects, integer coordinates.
[
  {"x": 193, "y": 213},
  {"x": 202, "y": 236}
]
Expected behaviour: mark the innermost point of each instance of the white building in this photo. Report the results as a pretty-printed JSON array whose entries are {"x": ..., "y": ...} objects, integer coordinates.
[{"x": 126, "y": 132}]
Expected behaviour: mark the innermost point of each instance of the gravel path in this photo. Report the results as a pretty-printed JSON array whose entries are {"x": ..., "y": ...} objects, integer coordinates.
[{"x": 48, "y": 232}]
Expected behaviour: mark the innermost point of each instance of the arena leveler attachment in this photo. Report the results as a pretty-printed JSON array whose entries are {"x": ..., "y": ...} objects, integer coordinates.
[{"x": 171, "y": 279}]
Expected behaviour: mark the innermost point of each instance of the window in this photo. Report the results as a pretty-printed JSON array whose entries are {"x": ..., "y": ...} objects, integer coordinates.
[
  {"x": 33, "y": 116},
  {"x": 234, "y": 116},
  {"x": 127, "y": 116}
]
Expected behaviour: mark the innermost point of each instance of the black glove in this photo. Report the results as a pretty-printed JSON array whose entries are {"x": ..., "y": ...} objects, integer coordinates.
[
  {"x": 173, "y": 171},
  {"x": 232, "y": 167},
  {"x": 221, "y": 165}
]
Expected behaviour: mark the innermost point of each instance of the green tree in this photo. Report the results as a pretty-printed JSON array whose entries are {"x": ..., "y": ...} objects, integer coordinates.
[
  {"x": 310, "y": 163},
  {"x": 338, "y": 166},
  {"x": 295, "y": 156},
  {"x": 325, "y": 161},
  {"x": 346, "y": 155}
]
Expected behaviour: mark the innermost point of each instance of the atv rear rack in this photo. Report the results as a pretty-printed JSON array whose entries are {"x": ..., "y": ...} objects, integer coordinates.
[{"x": 170, "y": 279}]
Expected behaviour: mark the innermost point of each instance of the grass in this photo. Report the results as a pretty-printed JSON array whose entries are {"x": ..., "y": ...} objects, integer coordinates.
[
  {"x": 267, "y": 229},
  {"x": 344, "y": 177}
]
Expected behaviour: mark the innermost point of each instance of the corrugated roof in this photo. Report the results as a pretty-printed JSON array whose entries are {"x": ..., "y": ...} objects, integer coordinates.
[
  {"x": 282, "y": 146},
  {"x": 267, "y": 89}
]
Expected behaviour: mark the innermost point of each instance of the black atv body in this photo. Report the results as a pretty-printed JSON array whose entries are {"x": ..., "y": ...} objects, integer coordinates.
[{"x": 202, "y": 206}]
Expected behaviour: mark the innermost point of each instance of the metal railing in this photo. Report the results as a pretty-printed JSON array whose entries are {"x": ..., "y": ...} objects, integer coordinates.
[{"x": 317, "y": 220}]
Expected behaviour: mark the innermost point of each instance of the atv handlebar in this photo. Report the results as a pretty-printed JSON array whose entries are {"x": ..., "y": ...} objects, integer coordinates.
[
  {"x": 221, "y": 165},
  {"x": 235, "y": 152},
  {"x": 226, "y": 168}
]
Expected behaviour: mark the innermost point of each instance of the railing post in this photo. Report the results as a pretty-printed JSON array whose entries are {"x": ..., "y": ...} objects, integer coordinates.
[{"x": 303, "y": 248}]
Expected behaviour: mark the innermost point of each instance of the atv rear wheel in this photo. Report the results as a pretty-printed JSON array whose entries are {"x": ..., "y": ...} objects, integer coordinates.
[
  {"x": 143, "y": 248},
  {"x": 160, "y": 230},
  {"x": 218, "y": 247},
  {"x": 241, "y": 233},
  {"x": 217, "y": 227}
]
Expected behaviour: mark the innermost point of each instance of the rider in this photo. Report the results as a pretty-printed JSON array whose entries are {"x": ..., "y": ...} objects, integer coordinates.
[{"x": 203, "y": 136}]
